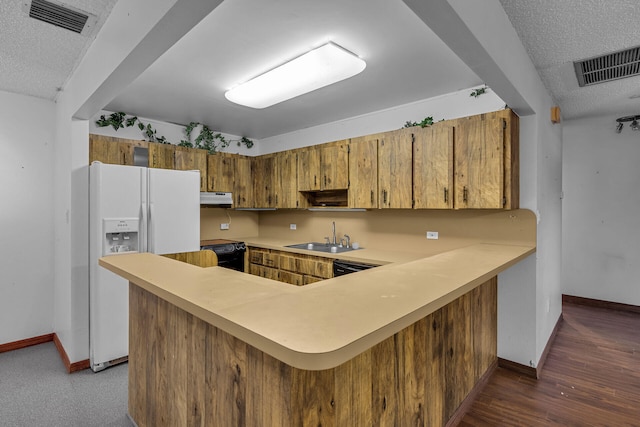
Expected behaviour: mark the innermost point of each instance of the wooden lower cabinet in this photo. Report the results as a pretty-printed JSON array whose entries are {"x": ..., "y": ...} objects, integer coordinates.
[
  {"x": 186, "y": 372},
  {"x": 295, "y": 269}
]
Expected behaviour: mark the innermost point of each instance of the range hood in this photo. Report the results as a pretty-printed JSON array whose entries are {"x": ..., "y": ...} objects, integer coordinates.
[{"x": 221, "y": 200}]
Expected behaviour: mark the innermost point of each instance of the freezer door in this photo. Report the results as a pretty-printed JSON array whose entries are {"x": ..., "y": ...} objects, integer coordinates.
[
  {"x": 115, "y": 192},
  {"x": 174, "y": 211}
]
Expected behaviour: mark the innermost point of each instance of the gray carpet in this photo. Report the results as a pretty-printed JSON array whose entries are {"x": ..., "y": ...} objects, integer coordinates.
[{"x": 35, "y": 390}]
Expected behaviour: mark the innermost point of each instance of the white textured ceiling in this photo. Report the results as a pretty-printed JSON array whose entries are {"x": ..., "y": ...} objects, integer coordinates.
[
  {"x": 241, "y": 39},
  {"x": 37, "y": 58},
  {"x": 558, "y": 32},
  {"x": 405, "y": 61}
]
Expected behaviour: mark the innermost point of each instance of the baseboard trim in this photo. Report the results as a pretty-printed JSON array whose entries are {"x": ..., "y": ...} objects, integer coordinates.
[
  {"x": 466, "y": 404},
  {"x": 17, "y": 345},
  {"x": 545, "y": 352},
  {"x": 71, "y": 367},
  {"x": 530, "y": 371},
  {"x": 527, "y": 371},
  {"x": 571, "y": 299}
]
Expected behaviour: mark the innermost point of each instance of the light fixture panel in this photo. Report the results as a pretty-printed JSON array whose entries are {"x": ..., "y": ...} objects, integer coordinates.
[{"x": 313, "y": 70}]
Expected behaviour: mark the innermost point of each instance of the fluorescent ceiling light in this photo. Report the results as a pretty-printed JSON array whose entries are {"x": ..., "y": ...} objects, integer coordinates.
[{"x": 317, "y": 68}]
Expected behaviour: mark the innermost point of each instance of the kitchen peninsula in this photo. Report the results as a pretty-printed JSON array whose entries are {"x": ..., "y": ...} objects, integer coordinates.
[{"x": 400, "y": 344}]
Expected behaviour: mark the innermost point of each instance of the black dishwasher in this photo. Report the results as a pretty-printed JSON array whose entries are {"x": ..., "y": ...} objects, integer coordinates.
[{"x": 342, "y": 267}]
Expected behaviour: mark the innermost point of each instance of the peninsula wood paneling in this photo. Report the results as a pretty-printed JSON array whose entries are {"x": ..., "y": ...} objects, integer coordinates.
[{"x": 185, "y": 372}]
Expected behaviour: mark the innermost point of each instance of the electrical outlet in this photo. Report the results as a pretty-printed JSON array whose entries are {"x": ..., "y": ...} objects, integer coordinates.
[
  {"x": 292, "y": 226},
  {"x": 224, "y": 226},
  {"x": 432, "y": 235}
]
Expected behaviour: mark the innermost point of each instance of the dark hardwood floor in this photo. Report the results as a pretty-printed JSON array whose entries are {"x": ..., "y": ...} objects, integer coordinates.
[{"x": 591, "y": 377}]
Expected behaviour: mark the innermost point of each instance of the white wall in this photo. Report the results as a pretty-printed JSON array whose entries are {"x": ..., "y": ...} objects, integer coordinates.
[
  {"x": 174, "y": 134},
  {"x": 517, "y": 81},
  {"x": 600, "y": 229},
  {"x": 27, "y": 129},
  {"x": 448, "y": 106}
]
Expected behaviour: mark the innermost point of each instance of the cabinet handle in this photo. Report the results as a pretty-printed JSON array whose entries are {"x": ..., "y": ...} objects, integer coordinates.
[
  {"x": 315, "y": 180},
  {"x": 325, "y": 180},
  {"x": 276, "y": 200},
  {"x": 384, "y": 197},
  {"x": 446, "y": 195},
  {"x": 465, "y": 194},
  {"x": 213, "y": 183},
  {"x": 372, "y": 197}
]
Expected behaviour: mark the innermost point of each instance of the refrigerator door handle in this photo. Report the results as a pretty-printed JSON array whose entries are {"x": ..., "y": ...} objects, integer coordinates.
[
  {"x": 150, "y": 231},
  {"x": 143, "y": 229}
]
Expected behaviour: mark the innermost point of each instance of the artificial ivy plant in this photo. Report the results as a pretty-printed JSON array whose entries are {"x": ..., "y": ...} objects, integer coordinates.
[
  {"x": 207, "y": 139},
  {"x": 428, "y": 121}
]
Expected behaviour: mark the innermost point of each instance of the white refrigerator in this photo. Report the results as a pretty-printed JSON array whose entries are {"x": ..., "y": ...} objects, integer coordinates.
[{"x": 132, "y": 209}]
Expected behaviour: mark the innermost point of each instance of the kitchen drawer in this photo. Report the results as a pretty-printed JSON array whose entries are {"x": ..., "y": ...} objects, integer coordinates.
[
  {"x": 266, "y": 272},
  {"x": 323, "y": 268},
  {"x": 292, "y": 278},
  {"x": 256, "y": 256}
]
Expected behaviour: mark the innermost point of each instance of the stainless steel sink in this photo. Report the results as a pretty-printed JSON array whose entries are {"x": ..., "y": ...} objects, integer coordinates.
[{"x": 322, "y": 247}]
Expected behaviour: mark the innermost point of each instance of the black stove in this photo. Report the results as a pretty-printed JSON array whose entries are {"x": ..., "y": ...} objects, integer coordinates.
[{"x": 230, "y": 252}]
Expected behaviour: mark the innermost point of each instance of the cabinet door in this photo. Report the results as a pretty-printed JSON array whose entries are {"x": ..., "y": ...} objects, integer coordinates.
[
  {"x": 192, "y": 159},
  {"x": 479, "y": 163},
  {"x": 263, "y": 170},
  {"x": 309, "y": 177},
  {"x": 334, "y": 163},
  {"x": 433, "y": 167},
  {"x": 363, "y": 172},
  {"x": 220, "y": 172},
  {"x": 242, "y": 182},
  {"x": 394, "y": 169},
  {"x": 161, "y": 156},
  {"x": 287, "y": 195},
  {"x": 112, "y": 150}
]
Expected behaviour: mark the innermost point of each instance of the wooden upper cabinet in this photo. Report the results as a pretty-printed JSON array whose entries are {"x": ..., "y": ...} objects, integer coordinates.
[
  {"x": 363, "y": 172},
  {"x": 112, "y": 150},
  {"x": 220, "y": 172},
  {"x": 480, "y": 162},
  {"x": 395, "y": 154},
  {"x": 242, "y": 182},
  {"x": 286, "y": 182},
  {"x": 334, "y": 162},
  {"x": 433, "y": 167},
  {"x": 309, "y": 173},
  {"x": 162, "y": 156},
  {"x": 324, "y": 167},
  {"x": 263, "y": 170},
  {"x": 187, "y": 158}
]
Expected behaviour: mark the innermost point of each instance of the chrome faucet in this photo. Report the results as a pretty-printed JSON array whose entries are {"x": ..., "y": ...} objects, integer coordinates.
[
  {"x": 335, "y": 242},
  {"x": 346, "y": 236}
]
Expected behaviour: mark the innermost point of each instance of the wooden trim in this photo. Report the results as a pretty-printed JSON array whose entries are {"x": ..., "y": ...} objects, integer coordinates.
[
  {"x": 545, "y": 352},
  {"x": 530, "y": 371},
  {"x": 467, "y": 403},
  {"x": 525, "y": 370},
  {"x": 618, "y": 306},
  {"x": 71, "y": 367},
  {"x": 16, "y": 345}
]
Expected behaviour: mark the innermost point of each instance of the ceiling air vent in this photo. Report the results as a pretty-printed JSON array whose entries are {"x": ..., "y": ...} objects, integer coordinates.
[
  {"x": 617, "y": 65},
  {"x": 60, "y": 15}
]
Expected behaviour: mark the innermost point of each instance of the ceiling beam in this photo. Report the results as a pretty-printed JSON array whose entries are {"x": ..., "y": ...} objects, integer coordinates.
[
  {"x": 446, "y": 23},
  {"x": 178, "y": 21}
]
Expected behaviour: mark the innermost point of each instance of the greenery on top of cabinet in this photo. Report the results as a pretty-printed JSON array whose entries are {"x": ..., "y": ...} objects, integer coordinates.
[{"x": 207, "y": 139}]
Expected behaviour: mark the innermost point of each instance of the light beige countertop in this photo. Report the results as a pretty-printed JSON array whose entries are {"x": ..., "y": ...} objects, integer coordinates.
[
  {"x": 366, "y": 255},
  {"x": 324, "y": 324}
]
